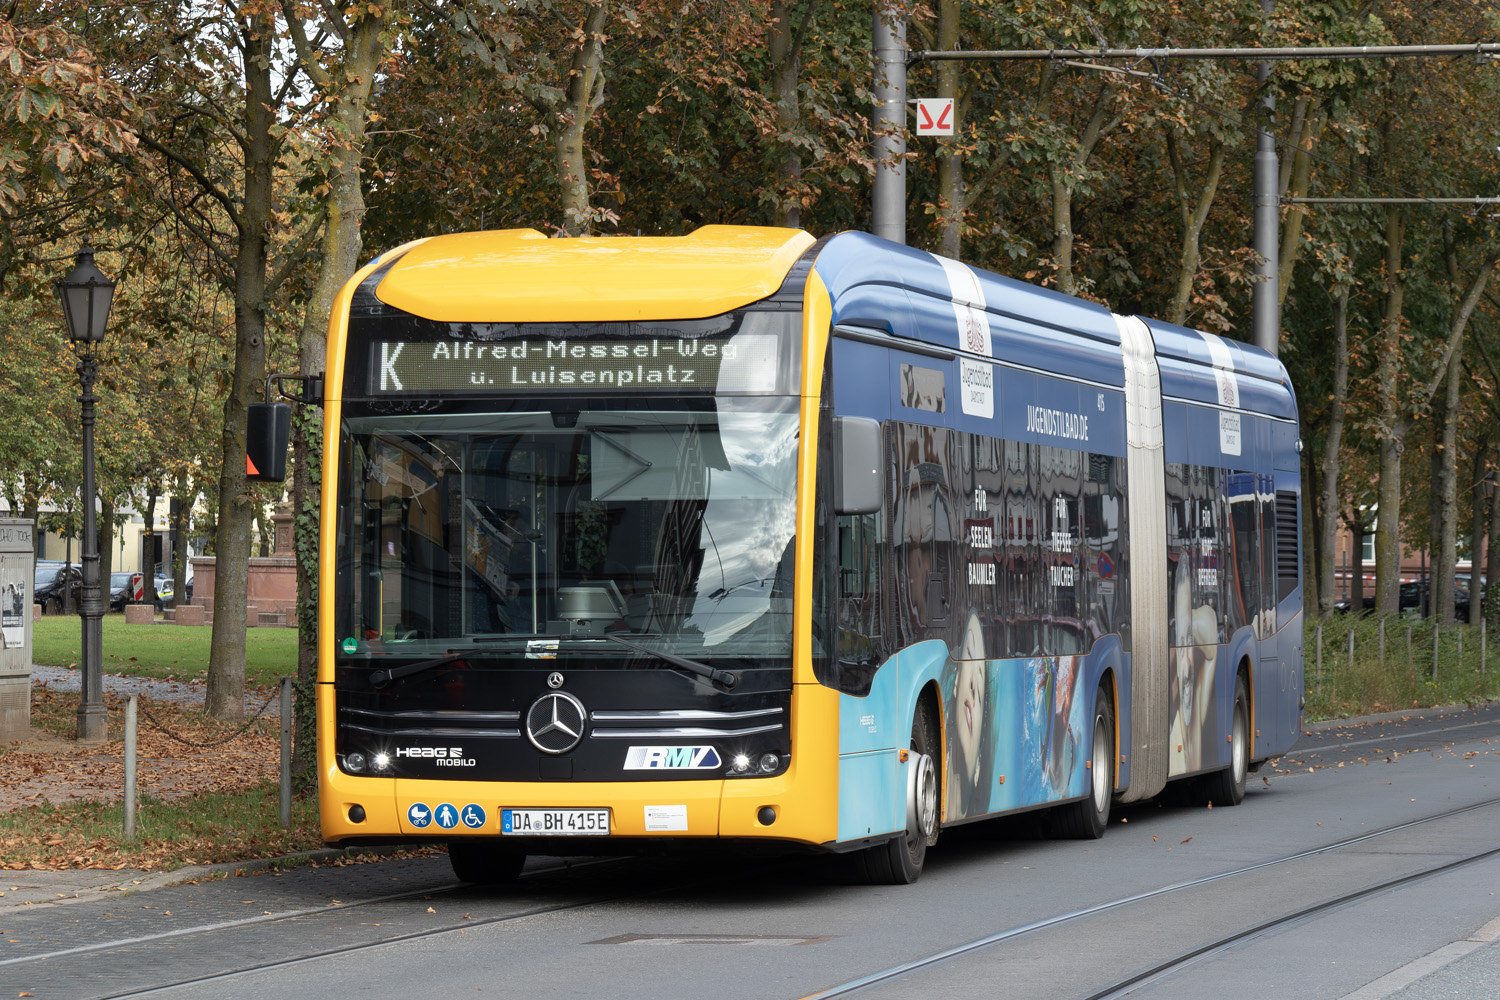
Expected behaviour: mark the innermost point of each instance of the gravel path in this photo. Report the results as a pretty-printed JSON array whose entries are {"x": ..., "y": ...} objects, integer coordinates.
[{"x": 188, "y": 694}]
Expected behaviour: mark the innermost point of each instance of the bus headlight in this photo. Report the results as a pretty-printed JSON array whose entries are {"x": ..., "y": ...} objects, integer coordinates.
[
  {"x": 381, "y": 762},
  {"x": 740, "y": 764},
  {"x": 769, "y": 762},
  {"x": 354, "y": 762}
]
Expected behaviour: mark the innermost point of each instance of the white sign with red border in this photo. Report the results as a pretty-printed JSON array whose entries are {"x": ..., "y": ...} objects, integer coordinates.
[{"x": 934, "y": 116}]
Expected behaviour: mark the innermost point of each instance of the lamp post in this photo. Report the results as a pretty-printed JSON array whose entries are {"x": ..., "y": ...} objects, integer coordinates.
[{"x": 86, "y": 294}]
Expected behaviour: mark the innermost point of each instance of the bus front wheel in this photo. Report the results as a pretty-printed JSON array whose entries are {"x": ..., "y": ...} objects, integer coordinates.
[
  {"x": 899, "y": 861},
  {"x": 483, "y": 862}
]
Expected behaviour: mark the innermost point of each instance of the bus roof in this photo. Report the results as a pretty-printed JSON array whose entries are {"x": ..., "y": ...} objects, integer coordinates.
[{"x": 522, "y": 276}]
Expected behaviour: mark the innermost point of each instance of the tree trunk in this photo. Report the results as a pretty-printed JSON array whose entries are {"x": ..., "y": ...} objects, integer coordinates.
[
  {"x": 148, "y": 548},
  {"x": 1296, "y": 176},
  {"x": 584, "y": 89},
  {"x": 1492, "y": 552},
  {"x": 106, "y": 543},
  {"x": 1312, "y": 536},
  {"x": 1332, "y": 447},
  {"x": 1392, "y": 428},
  {"x": 950, "y": 164},
  {"x": 342, "y": 243},
  {"x": 785, "y": 50},
  {"x": 181, "y": 525},
  {"x": 1192, "y": 213},
  {"x": 1357, "y": 534},
  {"x": 1476, "y": 529},
  {"x": 1445, "y": 555},
  {"x": 225, "y": 697},
  {"x": 1064, "y": 177}
]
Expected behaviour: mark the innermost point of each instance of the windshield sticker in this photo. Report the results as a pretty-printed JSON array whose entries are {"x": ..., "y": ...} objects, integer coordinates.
[
  {"x": 541, "y": 649},
  {"x": 351, "y": 644},
  {"x": 666, "y": 819},
  {"x": 671, "y": 758}
]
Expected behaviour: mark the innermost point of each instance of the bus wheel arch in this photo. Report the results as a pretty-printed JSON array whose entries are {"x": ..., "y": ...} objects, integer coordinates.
[
  {"x": 900, "y": 860},
  {"x": 929, "y": 702},
  {"x": 1087, "y": 818},
  {"x": 1226, "y": 787}
]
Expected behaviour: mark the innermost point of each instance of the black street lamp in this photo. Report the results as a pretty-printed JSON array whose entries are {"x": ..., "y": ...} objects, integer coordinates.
[{"x": 86, "y": 294}]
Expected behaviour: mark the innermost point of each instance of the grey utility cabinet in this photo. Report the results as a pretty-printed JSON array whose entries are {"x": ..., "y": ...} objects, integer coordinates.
[{"x": 17, "y": 576}]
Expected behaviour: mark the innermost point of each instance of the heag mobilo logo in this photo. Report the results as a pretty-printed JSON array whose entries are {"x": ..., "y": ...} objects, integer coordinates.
[
  {"x": 676, "y": 758},
  {"x": 440, "y": 756}
]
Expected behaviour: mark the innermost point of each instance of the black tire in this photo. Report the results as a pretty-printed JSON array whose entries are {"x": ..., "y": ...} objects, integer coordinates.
[
  {"x": 484, "y": 862},
  {"x": 899, "y": 861},
  {"x": 1227, "y": 787},
  {"x": 1087, "y": 818}
]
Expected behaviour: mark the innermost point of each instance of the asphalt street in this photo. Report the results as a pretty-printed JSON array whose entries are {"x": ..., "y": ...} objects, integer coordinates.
[{"x": 1186, "y": 901}]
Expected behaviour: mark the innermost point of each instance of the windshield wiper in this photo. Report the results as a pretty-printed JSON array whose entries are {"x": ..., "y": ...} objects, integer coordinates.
[
  {"x": 381, "y": 678},
  {"x": 725, "y": 679}
]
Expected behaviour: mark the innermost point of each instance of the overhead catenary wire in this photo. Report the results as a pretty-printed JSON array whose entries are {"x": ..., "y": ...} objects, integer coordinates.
[
  {"x": 1071, "y": 56},
  {"x": 1484, "y": 49}
]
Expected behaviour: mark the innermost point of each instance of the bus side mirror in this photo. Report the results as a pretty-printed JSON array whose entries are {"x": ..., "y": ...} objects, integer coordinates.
[
  {"x": 268, "y": 430},
  {"x": 857, "y": 486}
]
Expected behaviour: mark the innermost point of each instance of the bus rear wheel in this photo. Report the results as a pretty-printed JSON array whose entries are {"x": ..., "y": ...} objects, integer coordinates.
[
  {"x": 1227, "y": 787},
  {"x": 483, "y": 862},
  {"x": 1087, "y": 818},
  {"x": 899, "y": 861}
]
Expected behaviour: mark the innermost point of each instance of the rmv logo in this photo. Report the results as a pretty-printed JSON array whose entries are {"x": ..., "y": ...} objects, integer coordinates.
[{"x": 678, "y": 758}]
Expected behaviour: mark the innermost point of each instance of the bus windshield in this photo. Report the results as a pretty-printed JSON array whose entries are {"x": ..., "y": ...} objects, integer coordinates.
[{"x": 487, "y": 527}]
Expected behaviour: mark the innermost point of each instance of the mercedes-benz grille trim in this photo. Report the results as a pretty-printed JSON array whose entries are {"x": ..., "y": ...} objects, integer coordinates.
[
  {"x": 683, "y": 715},
  {"x": 681, "y": 731}
]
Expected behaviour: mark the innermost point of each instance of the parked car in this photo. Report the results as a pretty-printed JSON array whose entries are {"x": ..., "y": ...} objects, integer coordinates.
[
  {"x": 1414, "y": 601},
  {"x": 121, "y": 589},
  {"x": 166, "y": 593},
  {"x": 57, "y": 586}
]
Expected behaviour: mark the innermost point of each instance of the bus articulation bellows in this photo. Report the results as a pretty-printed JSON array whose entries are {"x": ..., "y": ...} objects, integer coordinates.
[{"x": 746, "y": 537}]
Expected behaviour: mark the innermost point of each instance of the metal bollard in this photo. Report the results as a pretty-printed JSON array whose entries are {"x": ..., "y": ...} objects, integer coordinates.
[
  {"x": 286, "y": 751},
  {"x": 130, "y": 728},
  {"x": 1435, "y": 631},
  {"x": 1351, "y": 649},
  {"x": 1382, "y": 642}
]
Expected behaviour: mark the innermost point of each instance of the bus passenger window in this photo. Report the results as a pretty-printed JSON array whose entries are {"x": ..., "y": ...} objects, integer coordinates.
[{"x": 859, "y": 547}]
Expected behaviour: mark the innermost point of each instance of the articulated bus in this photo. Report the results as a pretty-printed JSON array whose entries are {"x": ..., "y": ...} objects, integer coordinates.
[{"x": 753, "y": 539}]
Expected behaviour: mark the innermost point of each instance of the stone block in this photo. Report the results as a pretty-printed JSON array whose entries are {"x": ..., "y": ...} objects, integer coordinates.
[
  {"x": 139, "y": 614},
  {"x": 190, "y": 614},
  {"x": 36, "y": 612},
  {"x": 252, "y": 616}
]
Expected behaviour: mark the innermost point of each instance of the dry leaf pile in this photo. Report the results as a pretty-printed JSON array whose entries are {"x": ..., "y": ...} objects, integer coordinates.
[{"x": 60, "y": 803}]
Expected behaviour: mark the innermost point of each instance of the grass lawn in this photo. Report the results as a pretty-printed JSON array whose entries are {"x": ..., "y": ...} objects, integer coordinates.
[
  {"x": 173, "y": 652},
  {"x": 1400, "y": 680}
]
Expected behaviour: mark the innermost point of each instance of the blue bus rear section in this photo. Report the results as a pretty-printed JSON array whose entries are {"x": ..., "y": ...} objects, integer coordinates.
[{"x": 1034, "y": 575}]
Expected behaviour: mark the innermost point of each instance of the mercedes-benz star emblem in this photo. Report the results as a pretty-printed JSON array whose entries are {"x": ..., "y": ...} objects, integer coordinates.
[
  {"x": 554, "y": 680},
  {"x": 554, "y": 723}
]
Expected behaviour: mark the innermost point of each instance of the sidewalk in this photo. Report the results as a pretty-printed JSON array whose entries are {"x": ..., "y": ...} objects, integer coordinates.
[
  {"x": 187, "y": 694},
  {"x": 56, "y": 888}
]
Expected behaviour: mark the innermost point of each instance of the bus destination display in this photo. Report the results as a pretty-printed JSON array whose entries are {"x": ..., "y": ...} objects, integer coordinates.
[{"x": 747, "y": 362}]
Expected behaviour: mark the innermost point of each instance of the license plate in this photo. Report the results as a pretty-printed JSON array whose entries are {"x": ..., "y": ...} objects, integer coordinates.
[{"x": 554, "y": 822}]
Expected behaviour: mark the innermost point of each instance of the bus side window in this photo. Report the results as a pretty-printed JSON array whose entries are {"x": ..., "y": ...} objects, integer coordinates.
[{"x": 860, "y": 645}]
